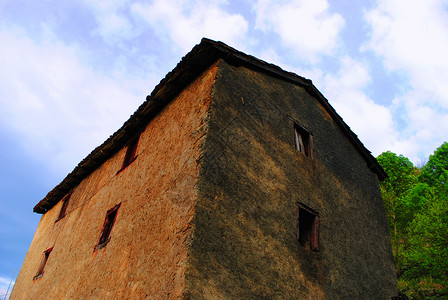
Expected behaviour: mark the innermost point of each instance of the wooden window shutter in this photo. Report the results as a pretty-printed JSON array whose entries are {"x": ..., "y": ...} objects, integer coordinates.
[
  {"x": 109, "y": 222},
  {"x": 64, "y": 206},
  {"x": 131, "y": 151},
  {"x": 40, "y": 271},
  {"x": 299, "y": 141},
  {"x": 311, "y": 147},
  {"x": 307, "y": 230},
  {"x": 304, "y": 140},
  {"x": 314, "y": 244}
]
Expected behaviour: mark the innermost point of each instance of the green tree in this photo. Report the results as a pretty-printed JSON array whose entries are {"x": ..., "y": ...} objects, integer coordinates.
[
  {"x": 402, "y": 177},
  {"x": 435, "y": 172},
  {"x": 427, "y": 255},
  {"x": 416, "y": 203},
  {"x": 416, "y": 198}
]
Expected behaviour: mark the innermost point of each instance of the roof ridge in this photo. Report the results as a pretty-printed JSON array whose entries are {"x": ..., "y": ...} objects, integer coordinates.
[{"x": 200, "y": 57}]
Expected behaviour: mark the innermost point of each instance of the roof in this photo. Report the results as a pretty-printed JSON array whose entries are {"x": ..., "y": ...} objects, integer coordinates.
[{"x": 191, "y": 65}]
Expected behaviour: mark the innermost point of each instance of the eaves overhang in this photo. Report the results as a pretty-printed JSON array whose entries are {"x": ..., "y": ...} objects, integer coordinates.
[{"x": 190, "y": 67}]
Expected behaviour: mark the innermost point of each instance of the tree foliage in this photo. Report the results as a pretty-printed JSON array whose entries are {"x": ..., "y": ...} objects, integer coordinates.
[
  {"x": 435, "y": 171},
  {"x": 400, "y": 171},
  {"x": 395, "y": 191},
  {"x": 416, "y": 203}
]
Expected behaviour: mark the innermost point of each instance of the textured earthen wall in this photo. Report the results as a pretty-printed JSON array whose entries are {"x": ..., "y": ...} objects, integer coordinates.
[
  {"x": 242, "y": 208},
  {"x": 146, "y": 256},
  {"x": 244, "y": 244}
]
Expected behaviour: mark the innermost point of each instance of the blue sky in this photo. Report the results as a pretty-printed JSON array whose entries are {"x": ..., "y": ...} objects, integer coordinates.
[{"x": 71, "y": 72}]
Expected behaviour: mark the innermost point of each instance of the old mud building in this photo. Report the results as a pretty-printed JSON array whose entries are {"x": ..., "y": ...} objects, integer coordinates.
[{"x": 234, "y": 180}]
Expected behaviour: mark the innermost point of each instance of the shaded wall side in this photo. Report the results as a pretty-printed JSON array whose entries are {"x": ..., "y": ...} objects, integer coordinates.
[
  {"x": 147, "y": 253},
  {"x": 252, "y": 177}
]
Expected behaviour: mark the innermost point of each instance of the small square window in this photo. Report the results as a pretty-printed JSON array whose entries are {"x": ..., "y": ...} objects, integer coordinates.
[
  {"x": 63, "y": 210},
  {"x": 40, "y": 271},
  {"x": 307, "y": 227},
  {"x": 303, "y": 140},
  {"x": 109, "y": 221},
  {"x": 131, "y": 151}
]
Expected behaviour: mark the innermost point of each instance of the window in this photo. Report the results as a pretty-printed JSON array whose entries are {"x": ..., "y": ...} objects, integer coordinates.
[
  {"x": 307, "y": 227},
  {"x": 111, "y": 215},
  {"x": 40, "y": 271},
  {"x": 63, "y": 210},
  {"x": 303, "y": 140},
  {"x": 131, "y": 150}
]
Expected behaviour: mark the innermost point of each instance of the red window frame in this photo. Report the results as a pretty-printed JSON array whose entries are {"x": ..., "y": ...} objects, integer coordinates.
[
  {"x": 109, "y": 222},
  {"x": 131, "y": 151},
  {"x": 40, "y": 271},
  {"x": 64, "y": 206}
]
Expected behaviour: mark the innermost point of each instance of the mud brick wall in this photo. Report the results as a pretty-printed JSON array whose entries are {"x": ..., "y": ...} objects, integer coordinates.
[
  {"x": 252, "y": 177},
  {"x": 146, "y": 256}
]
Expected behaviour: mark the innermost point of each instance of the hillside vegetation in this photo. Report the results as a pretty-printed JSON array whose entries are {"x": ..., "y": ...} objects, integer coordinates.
[{"x": 416, "y": 203}]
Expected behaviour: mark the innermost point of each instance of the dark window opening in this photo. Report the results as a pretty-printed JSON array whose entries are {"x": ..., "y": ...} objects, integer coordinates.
[
  {"x": 303, "y": 140},
  {"x": 307, "y": 228},
  {"x": 40, "y": 271},
  {"x": 131, "y": 151},
  {"x": 63, "y": 210},
  {"x": 109, "y": 221}
]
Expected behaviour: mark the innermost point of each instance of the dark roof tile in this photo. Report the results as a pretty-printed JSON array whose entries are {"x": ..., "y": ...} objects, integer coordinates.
[{"x": 191, "y": 65}]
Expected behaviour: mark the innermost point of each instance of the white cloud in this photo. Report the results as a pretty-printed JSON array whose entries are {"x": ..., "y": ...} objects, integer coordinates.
[
  {"x": 306, "y": 26},
  {"x": 412, "y": 40},
  {"x": 186, "y": 22},
  {"x": 58, "y": 106},
  {"x": 114, "y": 27},
  {"x": 373, "y": 123},
  {"x": 4, "y": 284},
  {"x": 113, "y": 24},
  {"x": 426, "y": 126}
]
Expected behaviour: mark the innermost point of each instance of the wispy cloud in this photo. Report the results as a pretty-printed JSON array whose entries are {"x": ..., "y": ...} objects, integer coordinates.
[
  {"x": 113, "y": 22},
  {"x": 412, "y": 41},
  {"x": 4, "y": 284},
  {"x": 306, "y": 26},
  {"x": 186, "y": 22},
  {"x": 372, "y": 122},
  {"x": 59, "y": 106},
  {"x": 57, "y": 99}
]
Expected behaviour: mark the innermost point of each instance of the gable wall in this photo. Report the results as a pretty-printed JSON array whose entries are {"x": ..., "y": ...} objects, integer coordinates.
[
  {"x": 244, "y": 242},
  {"x": 146, "y": 256}
]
